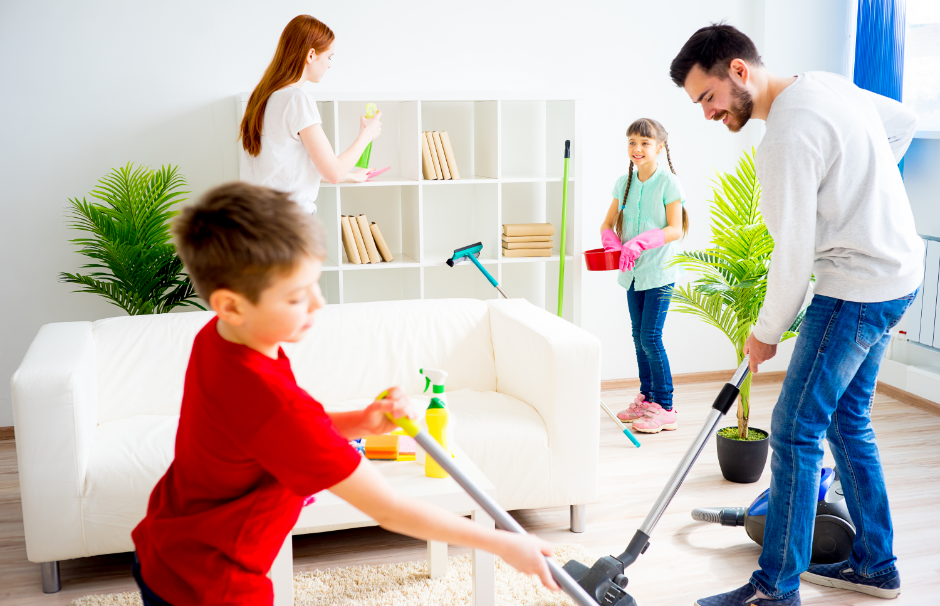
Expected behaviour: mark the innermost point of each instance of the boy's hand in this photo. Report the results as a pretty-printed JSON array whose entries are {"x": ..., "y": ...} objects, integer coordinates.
[
  {"x": 526, "y": 553},
  {"x": 396, "y": 403}
]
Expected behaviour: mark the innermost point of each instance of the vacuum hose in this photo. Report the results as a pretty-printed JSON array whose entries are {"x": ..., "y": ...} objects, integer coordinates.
[{"x": 726, "y": 516}]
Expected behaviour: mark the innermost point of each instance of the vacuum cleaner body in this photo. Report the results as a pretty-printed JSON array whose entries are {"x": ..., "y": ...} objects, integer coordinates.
[{"x": 833, "y": 532}]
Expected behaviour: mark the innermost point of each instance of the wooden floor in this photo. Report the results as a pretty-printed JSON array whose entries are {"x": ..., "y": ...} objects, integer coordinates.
[{"x": 686, "y": 559}]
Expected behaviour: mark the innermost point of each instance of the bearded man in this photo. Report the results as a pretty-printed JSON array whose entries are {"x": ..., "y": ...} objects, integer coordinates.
[{"x": 834, "y": 202}]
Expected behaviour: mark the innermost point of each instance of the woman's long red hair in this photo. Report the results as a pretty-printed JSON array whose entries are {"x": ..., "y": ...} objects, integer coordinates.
[{"x": 301, "y": 34}]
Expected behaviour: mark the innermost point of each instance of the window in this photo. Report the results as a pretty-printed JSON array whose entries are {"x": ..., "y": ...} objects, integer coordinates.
[{"x": 922, "y": 61}]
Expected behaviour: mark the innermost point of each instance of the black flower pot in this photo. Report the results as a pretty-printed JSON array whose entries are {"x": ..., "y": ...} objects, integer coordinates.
[{"x": 742, "y": 461}]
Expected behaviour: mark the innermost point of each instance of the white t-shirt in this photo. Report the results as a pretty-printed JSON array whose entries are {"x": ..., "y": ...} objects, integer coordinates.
[{"x": 284, "y": 163}]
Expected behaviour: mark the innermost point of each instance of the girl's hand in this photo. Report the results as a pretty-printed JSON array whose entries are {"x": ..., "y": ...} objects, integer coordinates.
[
  {"x": 395, "y": 402},
  {"x": 610, "y": 240},
  {"x": 526, "y": 553},
  {"x": 357, "y": 176},
  {"x": 371, "y": 128},
  {"x": 630, "y": 252}
]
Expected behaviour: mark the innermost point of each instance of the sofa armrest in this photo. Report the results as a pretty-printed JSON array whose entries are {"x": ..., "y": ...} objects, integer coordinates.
[
  {"x": 553, "y": 366},
  {"x": 55, "y": 400}
]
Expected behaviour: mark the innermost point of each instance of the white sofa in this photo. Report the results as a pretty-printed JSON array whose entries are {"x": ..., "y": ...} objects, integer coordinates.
[{"x": 96, "y": 405}]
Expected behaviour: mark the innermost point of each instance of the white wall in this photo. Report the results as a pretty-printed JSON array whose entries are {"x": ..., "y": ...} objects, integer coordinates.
[{"x": 90, "y": 86}]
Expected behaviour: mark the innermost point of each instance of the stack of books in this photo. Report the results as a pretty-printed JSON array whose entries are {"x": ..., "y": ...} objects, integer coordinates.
[
  {"x": 438, "y": 156},
  {"x": 363, "y": 241},
  {"x": 527, "y": 239}
]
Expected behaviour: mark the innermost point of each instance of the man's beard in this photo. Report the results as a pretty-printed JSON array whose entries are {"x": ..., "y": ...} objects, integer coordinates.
[{"x": 742, "y": 104}]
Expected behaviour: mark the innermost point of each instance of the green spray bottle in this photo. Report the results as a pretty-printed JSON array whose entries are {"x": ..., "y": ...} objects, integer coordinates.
[
  {"x": 367, "y": 154},
  {"x": 436, "y": 419}
]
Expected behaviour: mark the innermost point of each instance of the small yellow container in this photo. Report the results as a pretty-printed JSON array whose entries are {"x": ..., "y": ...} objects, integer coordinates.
[{"x": 437, "y": 418}]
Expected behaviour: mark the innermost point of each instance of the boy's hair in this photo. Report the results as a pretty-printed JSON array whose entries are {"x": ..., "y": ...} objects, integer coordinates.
[
  {"x": 239, "y": 236},
  {"x": 651, "y": 129},
  {"x": 713, "y": 48}
]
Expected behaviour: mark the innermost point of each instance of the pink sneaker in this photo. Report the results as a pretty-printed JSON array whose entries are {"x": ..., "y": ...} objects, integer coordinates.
[
  {"x": 635, "y": 410},
  {"x": 657, "y": 419}
]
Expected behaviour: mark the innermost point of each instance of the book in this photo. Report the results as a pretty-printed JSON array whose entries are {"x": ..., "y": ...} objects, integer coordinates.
[
  {"x": 527, "y": 252},
  {"x": 349, "y": 243},
  {"x": 434, "y": 158},
  {"x": 427, "y": 165},
  {"x": 441, "y": 157},
  {"x": 449, "y": 154},
  {"x": 527, "y": 238},
  {"x": 380, "y": 243},
  {"x": 528, "y": 229},
  {"x": 519, "y": 245},
  {"x": 357, "y": 235},
  {"x": 368, "y": 240}
]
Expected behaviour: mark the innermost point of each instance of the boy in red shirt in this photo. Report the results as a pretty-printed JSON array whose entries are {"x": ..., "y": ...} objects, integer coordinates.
[{"x": 251, "y": 443}]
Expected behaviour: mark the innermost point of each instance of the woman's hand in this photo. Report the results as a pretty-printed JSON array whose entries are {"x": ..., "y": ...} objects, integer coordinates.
[
  {"x": 526, "y": 553},
  {"x": 357, "y": 176},
  {"x": 374, "y": 420},
  {"x": 371, "y": 128}
]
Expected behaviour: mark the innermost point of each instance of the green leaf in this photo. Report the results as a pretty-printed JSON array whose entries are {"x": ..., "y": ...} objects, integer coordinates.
[{"x": 129, "y": 241}]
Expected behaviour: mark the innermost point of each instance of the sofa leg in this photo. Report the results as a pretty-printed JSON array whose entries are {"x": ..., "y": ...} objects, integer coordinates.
[
  {"x": 578, "y": 518},
  {"x": 50, "y": 577}
]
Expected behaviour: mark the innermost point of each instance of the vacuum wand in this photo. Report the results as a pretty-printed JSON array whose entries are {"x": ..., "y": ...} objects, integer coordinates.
[
  {"x": 503, "y": 519},
  {"x": 720, "y": 407}
]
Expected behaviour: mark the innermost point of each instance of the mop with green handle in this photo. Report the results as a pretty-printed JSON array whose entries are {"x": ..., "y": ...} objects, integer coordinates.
[
  {"x": 561, "y": 276},
  {"x": 564, "y": 224}
]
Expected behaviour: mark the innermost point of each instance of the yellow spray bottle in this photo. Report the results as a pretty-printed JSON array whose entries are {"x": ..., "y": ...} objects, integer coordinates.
[{"x": 437, "y": 418}]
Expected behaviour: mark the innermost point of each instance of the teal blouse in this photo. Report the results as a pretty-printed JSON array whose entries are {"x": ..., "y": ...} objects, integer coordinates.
[{"x": 645, "y": 210}]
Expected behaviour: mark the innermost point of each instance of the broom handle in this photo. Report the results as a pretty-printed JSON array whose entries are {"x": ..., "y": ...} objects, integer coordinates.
[{"x": 564, "y": 224}]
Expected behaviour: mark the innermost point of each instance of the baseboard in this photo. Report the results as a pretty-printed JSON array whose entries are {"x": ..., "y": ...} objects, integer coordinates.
[
  {"x": 698, "y": 377},
  {"x": 6, "y": 433},
  {"x": 908, "y": 398}
]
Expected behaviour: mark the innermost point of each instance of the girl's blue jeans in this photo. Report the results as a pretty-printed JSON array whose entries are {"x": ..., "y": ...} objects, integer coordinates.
[
  {"x": 647, "y": 315},
  {"x": 828, "y": 393}
]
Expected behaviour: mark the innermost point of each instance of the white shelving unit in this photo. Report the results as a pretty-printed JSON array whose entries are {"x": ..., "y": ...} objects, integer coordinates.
[{"x": 509, "y": 153}]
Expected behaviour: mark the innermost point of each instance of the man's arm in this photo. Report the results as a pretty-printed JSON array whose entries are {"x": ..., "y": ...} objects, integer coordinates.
[
  {"x": 789, "y": 185},
  {"x": 900, "y": 123}
]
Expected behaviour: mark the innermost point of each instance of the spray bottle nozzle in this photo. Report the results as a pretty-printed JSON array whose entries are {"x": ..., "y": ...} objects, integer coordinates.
[{"x": 434, "y": 377}]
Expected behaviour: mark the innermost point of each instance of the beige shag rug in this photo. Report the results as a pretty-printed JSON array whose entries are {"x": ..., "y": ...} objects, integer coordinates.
[{"x": 402, "y": 584}]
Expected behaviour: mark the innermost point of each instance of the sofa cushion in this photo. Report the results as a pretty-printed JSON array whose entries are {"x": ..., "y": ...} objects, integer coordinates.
[
  {"x": 128, "y": 458},
  {"x": 356, "y": 350},
  {"x": 501, "y": 435},
  {"x": 352, "y": 351}
]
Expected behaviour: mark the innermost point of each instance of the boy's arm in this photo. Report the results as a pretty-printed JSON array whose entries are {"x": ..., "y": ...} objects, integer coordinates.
[
  {"x": 366, "y": 490},
  {"x": 374, "y": 420}
]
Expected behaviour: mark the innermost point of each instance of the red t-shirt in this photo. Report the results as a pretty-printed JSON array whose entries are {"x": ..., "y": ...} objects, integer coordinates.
[{"x": 251, "y": 445}]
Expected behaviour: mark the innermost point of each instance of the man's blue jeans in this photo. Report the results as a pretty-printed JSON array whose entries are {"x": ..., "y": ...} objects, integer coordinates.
[
  {"x": 828, "y": 393},
  {"x": 647, "y": 316}
]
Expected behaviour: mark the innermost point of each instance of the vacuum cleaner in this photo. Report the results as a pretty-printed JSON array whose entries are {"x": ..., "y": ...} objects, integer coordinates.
[{"x": 833, "y": 532}]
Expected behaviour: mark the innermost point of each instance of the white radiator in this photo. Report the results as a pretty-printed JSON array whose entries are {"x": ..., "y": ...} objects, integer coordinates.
[{"x": 923, "y": 317}]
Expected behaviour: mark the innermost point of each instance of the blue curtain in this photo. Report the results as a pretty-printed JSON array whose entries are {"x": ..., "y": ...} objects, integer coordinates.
[{"x": 879, "y": 48}]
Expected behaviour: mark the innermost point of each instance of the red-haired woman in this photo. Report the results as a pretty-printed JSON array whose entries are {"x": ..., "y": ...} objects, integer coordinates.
[{"x": 283, "y": 143}]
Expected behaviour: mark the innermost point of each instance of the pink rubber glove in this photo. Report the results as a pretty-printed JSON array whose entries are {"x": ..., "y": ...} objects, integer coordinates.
[
  {"x": 630, "y": 252},
  {"x": 610, "y": 240}
]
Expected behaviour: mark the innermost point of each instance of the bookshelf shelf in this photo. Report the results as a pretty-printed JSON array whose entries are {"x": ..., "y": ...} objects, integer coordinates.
[{"x": 509, "y": 153}]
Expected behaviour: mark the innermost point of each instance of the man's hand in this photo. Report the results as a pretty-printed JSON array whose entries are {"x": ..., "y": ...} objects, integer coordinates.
[{"x": 759, "y": 351}]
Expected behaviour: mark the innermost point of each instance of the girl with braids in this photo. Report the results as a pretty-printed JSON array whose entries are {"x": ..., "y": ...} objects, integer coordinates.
[{"x": 645, "y": 220}]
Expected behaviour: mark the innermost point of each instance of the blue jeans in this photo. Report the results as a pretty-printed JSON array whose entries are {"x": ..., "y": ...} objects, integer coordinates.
[
  {"x": 647, "y": 315},
  {"x": 828, "y": 393}
]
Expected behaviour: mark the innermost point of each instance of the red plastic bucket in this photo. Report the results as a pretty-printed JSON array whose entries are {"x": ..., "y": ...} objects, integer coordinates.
[{"x": 599, "y": 259}]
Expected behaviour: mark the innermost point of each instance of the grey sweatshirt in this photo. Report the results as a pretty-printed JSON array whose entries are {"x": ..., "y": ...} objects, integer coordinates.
[{"x": 833, "y": 199}]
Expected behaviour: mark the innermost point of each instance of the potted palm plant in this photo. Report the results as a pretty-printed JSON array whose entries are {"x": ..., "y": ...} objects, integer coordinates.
[
  {"x": 135, "y": 263},
  {"x": 728, "y": 293}
]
